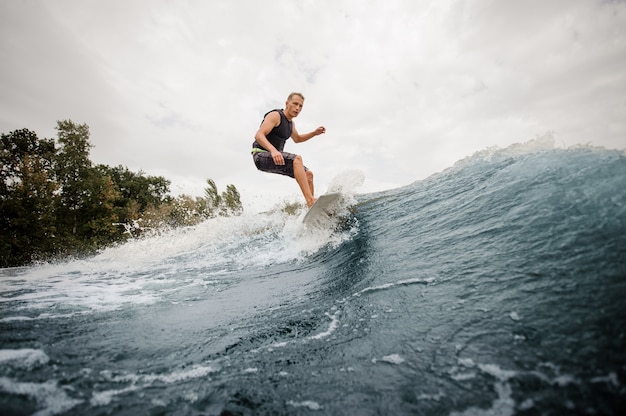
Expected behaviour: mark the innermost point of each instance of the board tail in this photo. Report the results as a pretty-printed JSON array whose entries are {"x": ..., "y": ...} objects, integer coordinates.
[{"x": 328, "y": 212}]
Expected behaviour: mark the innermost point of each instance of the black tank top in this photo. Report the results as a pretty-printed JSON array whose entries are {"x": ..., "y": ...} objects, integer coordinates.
[{"x": 279, "y": 134}]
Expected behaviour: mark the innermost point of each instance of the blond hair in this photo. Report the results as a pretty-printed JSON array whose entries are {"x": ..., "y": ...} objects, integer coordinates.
[{"x": 299, "y": 94}]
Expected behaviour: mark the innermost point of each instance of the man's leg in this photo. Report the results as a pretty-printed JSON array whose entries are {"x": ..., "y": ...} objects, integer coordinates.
[
  {"x": 305, "y": 180},
  {"x": 309, "y": 177}
]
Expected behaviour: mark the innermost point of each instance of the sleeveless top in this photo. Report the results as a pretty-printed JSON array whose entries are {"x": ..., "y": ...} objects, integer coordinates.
[{"x": 279, "y": 134}]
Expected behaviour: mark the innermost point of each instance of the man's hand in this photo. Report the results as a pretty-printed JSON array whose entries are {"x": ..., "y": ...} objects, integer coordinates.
[
  {"x": 277, "y": 157},
  {"x": 297, "y": 138},
  {"x": 319, "y": 130}
]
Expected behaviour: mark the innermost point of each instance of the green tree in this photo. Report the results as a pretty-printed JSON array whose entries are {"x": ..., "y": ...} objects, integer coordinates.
[
  {"x": 87, "y": 214},
  {"x": 226, "y": 203},
  {"x": 101, "y": 218},
  {"x": 184, "y": 211},
  {"x": 145, "y": 190},
  {"x": 27, "y": 197},
  {"x": 212, "y": 197},
  {"x": 136, "y": 193},
  {"x": 74, "y": 171},
  {"x": 232, "y": 201},
  {"x": 54, "y": 201}
]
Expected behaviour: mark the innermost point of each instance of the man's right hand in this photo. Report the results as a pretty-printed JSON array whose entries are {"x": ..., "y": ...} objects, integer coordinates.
[{"x": 277, "y": 157}]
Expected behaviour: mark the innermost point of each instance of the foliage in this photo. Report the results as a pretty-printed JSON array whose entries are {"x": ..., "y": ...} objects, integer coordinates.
[
  {"x": 231, "y": 201},
  {"x": 186, "y": 210},
  {"x": 228, "y": 203},
  {"x": 136, "y": 187},
  {"x": 27, "y": 197},
  {"x": 54, "y": 201}
]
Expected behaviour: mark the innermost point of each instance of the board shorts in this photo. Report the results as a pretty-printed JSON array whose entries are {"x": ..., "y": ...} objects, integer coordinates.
[{"x": 264, "y": 162}]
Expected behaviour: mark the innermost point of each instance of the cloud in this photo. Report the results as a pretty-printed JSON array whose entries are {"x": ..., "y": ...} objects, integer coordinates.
[{"x": 404, "y": 88}]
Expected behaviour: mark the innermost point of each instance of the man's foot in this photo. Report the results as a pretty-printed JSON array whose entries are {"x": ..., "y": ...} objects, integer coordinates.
[{"x": 311, "y": 202}]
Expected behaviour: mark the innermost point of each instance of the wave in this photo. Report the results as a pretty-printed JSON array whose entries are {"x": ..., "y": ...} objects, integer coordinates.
[{"x": 495, "y": 286}]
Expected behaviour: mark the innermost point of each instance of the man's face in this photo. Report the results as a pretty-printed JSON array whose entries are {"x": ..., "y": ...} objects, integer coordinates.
[{"x": 294, "y": 106}]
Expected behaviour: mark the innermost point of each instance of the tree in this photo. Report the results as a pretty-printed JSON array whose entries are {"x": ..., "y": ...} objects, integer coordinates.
[
  {"x": 27, "y": 197},
  {"x": 101, "y": 218},
  {"x": 136, "y": 194},
  {"x": 212, "y": 197},
  {"x": 145, "y": 190},
  {"x": 54, "y": 201},
  {"x": 232, "y": 201},
  {"x": 228, "y": 203},
  {"x": 73, "y": 170}
]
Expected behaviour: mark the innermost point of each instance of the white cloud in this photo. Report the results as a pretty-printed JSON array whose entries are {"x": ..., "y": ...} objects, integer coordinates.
[{"x": 404, "y": 88}]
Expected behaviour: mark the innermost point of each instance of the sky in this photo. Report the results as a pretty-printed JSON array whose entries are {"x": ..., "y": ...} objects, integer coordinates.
[{"x": 405, "y": 88}]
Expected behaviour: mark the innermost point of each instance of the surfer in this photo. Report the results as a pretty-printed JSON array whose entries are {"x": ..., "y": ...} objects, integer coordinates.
[{"x": 267, "y": 150}]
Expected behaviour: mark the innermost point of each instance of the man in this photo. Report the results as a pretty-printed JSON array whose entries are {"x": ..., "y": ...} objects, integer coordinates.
[{"x": 267, "y": 150}]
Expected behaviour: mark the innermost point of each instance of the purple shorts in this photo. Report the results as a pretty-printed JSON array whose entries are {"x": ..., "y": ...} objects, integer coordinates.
[{"x": 264, "y": 162}]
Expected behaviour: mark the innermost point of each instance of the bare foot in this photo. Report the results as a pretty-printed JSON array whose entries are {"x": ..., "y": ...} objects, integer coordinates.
[{"x": 311, "y": 202}]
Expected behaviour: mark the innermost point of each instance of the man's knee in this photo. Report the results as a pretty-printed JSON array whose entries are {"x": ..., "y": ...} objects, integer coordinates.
[
  {"x": 309, "y": 175},
  {"x": 298, "y": 161}
]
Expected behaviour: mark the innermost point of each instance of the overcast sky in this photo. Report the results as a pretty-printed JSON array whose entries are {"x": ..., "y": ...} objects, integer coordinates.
[{"x": 405, "y": 88}]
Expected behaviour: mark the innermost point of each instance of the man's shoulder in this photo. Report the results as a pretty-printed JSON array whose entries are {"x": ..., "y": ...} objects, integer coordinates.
[{"x": 274, "y": 115}]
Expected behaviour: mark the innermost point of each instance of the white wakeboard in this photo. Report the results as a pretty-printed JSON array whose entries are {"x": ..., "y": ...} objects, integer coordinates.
[{"x": 323, "y": 209}]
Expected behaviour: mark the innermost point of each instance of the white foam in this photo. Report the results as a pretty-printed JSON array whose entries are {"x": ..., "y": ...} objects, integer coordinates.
[
  {"x": 25, "y": 358},
  {"x": 564, "y": 380},
  {"x": 311, "y": 238},
  {"x": 406, "y": 282},
  {"x": 279, "y": 344},
  {"x": 467, "y": 362},
  {"x": 514, "y": 316},
  {"x": 16, "y": 319},
  {"x": 79, "y": 291},
  {"x": 503, "y": 405},
  {"x": 153, "y": 269},
  {"x": 174, "y": 377},
  {"x": 309, "y": 404},
  {"x": 137, "y": 381},
  {"x": 464, "y": 376},
  {"x": 347, "y": 182},
  {"x": 526, "y": 404},
  {"x": 611, "y": 378},
  {"x": 331, "y": 327},
  {"x": 495, "y": 371},
  {"x": 393, "y": 359},
  {"x": 539, "y": 144},
  {"x": 148, "y": 270},
  {"x": 433, "y": 397},
  {"x": 50, "y": 398},
  {"x": 104, "y": 398}
]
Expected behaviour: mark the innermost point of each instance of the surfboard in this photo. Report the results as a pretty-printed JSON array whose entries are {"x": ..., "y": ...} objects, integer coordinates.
[{"x": 323, "y": 208}]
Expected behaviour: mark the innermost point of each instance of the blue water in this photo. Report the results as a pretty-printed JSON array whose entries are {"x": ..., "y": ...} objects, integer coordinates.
[{"x": 496, "y": 287}]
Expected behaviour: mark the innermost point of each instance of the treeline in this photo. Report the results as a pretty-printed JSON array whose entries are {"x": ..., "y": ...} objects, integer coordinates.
[{"x": 54, "y": 201}]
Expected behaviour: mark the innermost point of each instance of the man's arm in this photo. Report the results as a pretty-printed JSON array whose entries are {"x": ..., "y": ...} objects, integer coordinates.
[
  {"x": 271, "y": 120},
  {"x": 299, "y": 138}
]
